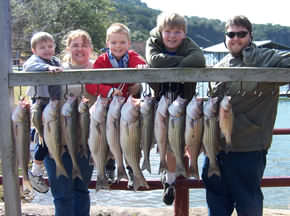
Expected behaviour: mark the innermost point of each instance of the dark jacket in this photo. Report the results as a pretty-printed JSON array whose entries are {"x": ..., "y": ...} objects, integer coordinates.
[
  {"x": 255, "y": 112},
  {"x": 188, "y": 54}
]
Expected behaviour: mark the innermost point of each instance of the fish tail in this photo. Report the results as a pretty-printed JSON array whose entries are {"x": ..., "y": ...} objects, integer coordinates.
[
  {"x": 162, "y": 167},
  {"x": 102, "y": 183},
  {"x": 76, "y": 173},
  {"x": 121, "y": 174},
  {"x": 193, "y": 171},
  {"x": 139, "y": 181},
  {"x": 213, "y": 170},
  {"x": 27, "y": 185},
  {"x": 146, "y": 164},
  {"x": 61, "y": 171},
  {"x": 180, "y": 171}
]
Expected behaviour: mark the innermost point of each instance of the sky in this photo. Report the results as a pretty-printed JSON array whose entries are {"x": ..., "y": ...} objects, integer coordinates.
[{"x": 257, "y": 11}]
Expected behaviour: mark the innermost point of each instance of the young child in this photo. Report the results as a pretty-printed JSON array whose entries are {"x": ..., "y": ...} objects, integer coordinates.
[
  {"x": 168, "y": 46},
  {"x": 43, "y": 59},
  {"x": 117, "y": 55}
]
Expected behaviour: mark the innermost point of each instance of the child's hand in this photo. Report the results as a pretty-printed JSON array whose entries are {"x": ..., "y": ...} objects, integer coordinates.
[
  {"x": 55, "y": 69},
  {"x": 134, "y": 89},
  {"x": 142, "y": 66},
  {"x": 117, "y": 92}
]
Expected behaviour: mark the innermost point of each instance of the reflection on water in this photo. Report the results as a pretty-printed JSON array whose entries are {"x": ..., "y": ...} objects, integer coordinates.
[{"x": 278, "y": 164}]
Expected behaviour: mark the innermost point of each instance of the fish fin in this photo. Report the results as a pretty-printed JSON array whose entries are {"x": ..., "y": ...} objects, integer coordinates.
[
  {"x": 102, "y": 183},
  {"x": 180, "y": 171},
  {"x": 213, "y": 170},
  {"x": 146, "y": 164},
  {"x": 193, "y": 171},
  {"x": 162, "y": 167},
  {"x": 139, "y": 181},
  {"x": 61, "y": 171},
  {"x": 76, "y": 173},
  {"x": 121, "y": 174}
]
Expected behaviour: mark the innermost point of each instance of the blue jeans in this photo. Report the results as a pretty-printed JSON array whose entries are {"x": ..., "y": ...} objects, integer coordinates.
[
  {"x": 71, "y": 196},
  {"x": 40, "y": 151},
  {"x": 239, "y": 184}
]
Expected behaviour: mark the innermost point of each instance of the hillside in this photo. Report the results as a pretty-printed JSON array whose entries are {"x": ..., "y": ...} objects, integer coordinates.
[{"x": 206, "y": 32}]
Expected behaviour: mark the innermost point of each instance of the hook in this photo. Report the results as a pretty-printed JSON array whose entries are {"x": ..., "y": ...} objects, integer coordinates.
[
  {"x": 147, "y": 89},
  {"x": 21, "y": 98},
  {"x": 82, "y": 90},
  {"x": 66, "y": 92},
  {"x": 260, "y": 93},
  {"x": 241, "y": 90},
  {"x": 209, "y": 91},
  {"x": 35, "y": 92},
  {"x": 121, "y": 86}
]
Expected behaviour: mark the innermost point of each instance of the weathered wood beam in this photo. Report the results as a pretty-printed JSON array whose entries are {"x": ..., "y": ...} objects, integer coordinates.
[
  {"x": 151, "y": 75},
  {"x": 10, "y": 179}
]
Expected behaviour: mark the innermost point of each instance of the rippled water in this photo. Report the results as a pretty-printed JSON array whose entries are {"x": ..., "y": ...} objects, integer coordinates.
[{"x": 278, "y": 164}]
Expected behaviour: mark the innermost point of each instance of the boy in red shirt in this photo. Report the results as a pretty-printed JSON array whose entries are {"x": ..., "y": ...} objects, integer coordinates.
[{"x": 117, "y": 55}]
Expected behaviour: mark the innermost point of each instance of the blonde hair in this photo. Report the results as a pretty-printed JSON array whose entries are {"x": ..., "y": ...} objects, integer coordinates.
[
  {"x": 171, "y": 20},
  {"x": 40, "y": 37},
  {"x": 69, "y": 37},
  {"x": 117, "y": 28}
]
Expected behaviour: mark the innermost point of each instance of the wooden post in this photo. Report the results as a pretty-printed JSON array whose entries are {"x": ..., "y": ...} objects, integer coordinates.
[{"x": 10, "y": 179}]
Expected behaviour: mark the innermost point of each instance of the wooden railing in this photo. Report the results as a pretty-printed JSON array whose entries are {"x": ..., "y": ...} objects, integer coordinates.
[
  {"x": 130, "y": 76},
  {"x": 181, "y": 204}
]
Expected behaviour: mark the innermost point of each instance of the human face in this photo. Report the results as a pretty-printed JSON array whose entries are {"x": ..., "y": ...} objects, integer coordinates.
[
  {"x": 44, "y": 49},
  {"x": 119, "y": 44},
  {"x": 172, "y": 37},
  {"x": 80, "y": 51},
  {"x": 236, "y": 44}
]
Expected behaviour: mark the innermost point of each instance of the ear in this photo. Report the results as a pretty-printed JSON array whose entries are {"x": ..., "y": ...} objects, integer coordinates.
[
  {"x": 225, "y": 43},
  {"x": 33, "y": 50}
]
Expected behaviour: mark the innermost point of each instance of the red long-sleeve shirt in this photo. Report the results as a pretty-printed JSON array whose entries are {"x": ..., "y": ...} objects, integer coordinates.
[{"x": 104, "y": 62}]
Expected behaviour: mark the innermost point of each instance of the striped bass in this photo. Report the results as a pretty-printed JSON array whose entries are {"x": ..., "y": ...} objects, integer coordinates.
[
  {"x": 176, "y": 128},
  {"x": 210, "y": 135},
  {"x": 130, "y": 139},
  {"x": 84, "y": 123},
  {"x": 21, "y": 138},
  {"x": 97, "y": 140},
  {"x": 193, "y": 133},
  {"x": 226, "y": 120},
  {"x": 69, "y": 124},
  {"x": 147, "y": 130},
  {"x": 161, "y": 131},
  {"x": 113, "y": 134},
  {"x": 36, "y": 120},
  {"x": 51, "y": 134}
]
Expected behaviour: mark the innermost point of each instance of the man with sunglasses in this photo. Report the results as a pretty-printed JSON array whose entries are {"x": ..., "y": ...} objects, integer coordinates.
[{"x": 254, "y": 107}]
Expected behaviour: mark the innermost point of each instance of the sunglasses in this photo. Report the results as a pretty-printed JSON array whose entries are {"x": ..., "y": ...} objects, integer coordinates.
[{"x": 240, "y": 34}]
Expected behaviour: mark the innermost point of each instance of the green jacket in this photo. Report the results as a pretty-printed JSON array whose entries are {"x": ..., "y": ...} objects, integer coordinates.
[
  {"x": 188, "y": 54},
  {"x": 254, "y": 116}
]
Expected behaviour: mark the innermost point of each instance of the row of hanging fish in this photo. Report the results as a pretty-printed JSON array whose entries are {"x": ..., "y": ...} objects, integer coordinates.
[
  {"x": 205, "y": 123},
  {"x": 190, "y": 129},
  {"x": 58, "y": 124},
  {"x": 126, "y": 129}
]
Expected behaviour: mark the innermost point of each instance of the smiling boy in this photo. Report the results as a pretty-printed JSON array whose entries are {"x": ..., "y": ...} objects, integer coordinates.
[{"x": 168, "y": 46}]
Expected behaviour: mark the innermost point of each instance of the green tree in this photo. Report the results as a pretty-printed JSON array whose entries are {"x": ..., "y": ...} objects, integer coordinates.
[{"x": 59, "y": 17}]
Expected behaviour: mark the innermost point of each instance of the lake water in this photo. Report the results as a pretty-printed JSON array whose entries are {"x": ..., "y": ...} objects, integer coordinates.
[{"x": 278, "y": 164}]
